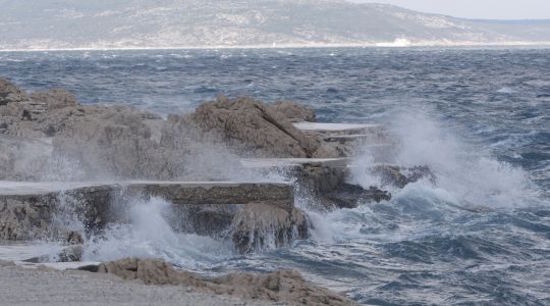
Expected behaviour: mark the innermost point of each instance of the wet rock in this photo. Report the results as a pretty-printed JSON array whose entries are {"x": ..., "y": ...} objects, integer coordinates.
[
  {"x": 25, "y": 218},
  {"x": 280, "y": 286},
  {"x": 72, "y": 253},
  {"x": 30, "y": 217},
  {"x": 74, "y": 238},
  {"x": 258, "y": 226},
  {"x": 350, "y": 196},
  {"x": 319, "y": 178},
  {"x": 211, "y": 220},
  {"x": 253, "y": 126},
  {"x": 401, "y": 177},
  {"x": 294, "y": 112}
]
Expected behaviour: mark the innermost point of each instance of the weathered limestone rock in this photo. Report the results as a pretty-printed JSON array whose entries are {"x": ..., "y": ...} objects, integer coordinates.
[
  {"x": 280, "y": 286},
  {"x": 55, "y": 99},
  {"x": 256, "y": 127},
  {"x": 273, "y": 194},
  {"x": 295, "y": 112},
  {"x": 30, "y": 216},
  {"x": 9, "y": 93},
  {"x": 217, "y": 209}
]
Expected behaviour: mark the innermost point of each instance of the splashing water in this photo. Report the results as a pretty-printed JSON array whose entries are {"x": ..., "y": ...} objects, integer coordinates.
[
  {"x": 147, "y": 234},
  {"x": 481, "y": 234}
]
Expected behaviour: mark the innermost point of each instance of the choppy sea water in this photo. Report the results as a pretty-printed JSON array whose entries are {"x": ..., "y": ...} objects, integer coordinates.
[{"x": 479, "y": 118}]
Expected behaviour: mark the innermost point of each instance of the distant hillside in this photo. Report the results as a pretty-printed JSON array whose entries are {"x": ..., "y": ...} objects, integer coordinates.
[{"x": 47, "y": 24}]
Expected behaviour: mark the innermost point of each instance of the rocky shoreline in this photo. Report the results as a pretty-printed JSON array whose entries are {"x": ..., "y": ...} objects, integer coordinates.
[{"x": 50, "y": 137}]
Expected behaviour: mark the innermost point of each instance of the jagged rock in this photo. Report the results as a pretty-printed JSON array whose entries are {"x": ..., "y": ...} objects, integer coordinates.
[
  {"x": 259, "y": 226},
  {"x": 294, "y": 112},
  {"x": 55, "y": 99},
  {"x": 280, "y": 286},
  {"x": 25, "y": 218},
  {"x": 401, "y": 177},
  {"x": 254, "y": 126},
  {"x": 350, "y": 196},
  {"x": 10, "y": 93}
]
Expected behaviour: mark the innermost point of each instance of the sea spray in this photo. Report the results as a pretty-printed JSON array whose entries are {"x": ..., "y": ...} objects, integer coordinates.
[{"x": 148, "y": 234}]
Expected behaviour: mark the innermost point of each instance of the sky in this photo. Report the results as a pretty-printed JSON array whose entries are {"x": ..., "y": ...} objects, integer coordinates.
[{"x": 485, "y": 9}]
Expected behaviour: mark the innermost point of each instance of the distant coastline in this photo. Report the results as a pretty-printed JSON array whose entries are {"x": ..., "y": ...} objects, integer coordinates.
[{"x": 395, "y": 44}]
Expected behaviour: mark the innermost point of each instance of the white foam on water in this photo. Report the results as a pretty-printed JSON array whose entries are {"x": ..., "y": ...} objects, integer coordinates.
[
  {"x": 468, "y": 179},
  {"x": 468, "y": 173},
  {"x": 506, "y": 90},
  {"x": 149, "y": 235}
]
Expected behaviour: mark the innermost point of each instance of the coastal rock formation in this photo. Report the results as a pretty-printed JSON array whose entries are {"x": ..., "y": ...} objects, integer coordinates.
[
  {"x": 32, "y": 216},
  {"x": 400, "y": 176},
  {"x": 280, "y": 286},
  {"x": 329, "y": 187},
  {"x": 294, "y": 112},
  {"x": 9, "y": 93},
  {"x": 253, "y": 126}
]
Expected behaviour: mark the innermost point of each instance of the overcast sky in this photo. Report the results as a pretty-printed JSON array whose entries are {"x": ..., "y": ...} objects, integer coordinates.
[{"x": 493, "y": 9}]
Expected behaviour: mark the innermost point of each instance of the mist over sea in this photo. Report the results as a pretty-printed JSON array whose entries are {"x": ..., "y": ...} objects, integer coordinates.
[{"x": 480, "y": 119}]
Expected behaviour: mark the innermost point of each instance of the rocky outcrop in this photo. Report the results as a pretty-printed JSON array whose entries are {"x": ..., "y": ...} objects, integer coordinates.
[
  {"x": 9, "y": 93},
  {"x": 294, "y": 112},
  {"x": 32, "y": 216},
  {"x": 400, "y": 176},
  {"x": 255, "y": 127},
  {"x": 280, "y": 286},
  {"x": 329, "y": 187}
]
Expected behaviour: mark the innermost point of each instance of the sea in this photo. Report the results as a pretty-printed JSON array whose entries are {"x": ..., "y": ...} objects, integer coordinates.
[{"x": 478, "y": 117}]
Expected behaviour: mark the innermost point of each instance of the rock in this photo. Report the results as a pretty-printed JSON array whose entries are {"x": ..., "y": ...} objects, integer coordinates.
[
  {"x": 350, "y": 196},
  {"x": 9, "y": 93},
  {"x": 72, "y": 253},
  {"x": 400, "y": 177},
  {"x": 254, "y": 127},
  {"x": 31, "y": 216},
  {"x": 74, "y": 238},
  {"x": 4, "y": 263},
  {"x": 25, "y": 218},
  {"x": 280, "y": 286},
  {"x": 54, "y": 99},
  {"x": 319, "y": 178},
  {"x": 257, "y": 227},
  {"x": 294, "y": 112}
]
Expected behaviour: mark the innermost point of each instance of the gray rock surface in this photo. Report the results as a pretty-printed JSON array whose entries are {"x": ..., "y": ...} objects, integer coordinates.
[
  {"x": 400, "y": 176},
  {"x": 43, "y": 286},
  {"x": 253, "y": 126},
  {"x": 294, "y": 112},
  {"x": 9, "y": 93},
  {"x": 281, "y": 286}
]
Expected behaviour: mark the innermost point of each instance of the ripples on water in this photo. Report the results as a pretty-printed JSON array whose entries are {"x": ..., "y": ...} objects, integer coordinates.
[{"x": 479, "y": 118}]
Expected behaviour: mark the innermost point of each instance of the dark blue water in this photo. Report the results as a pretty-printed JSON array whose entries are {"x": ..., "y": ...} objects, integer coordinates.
[{"x": 479, "y": 118}]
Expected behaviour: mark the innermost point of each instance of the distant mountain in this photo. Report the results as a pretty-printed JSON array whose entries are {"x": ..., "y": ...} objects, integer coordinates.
[{"x": 47, "y": 24}]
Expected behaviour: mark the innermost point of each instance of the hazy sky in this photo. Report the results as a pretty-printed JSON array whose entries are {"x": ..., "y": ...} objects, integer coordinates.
[{"x": 494, "y": 9}]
